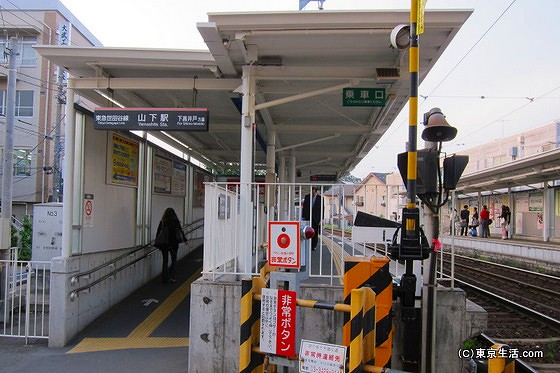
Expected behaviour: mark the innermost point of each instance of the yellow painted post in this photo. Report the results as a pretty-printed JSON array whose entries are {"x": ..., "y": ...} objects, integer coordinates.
[
  {"x": 357, "y": 303},
  {"x": 369, "y": 327},
  {"x": 501, "y": 363}
]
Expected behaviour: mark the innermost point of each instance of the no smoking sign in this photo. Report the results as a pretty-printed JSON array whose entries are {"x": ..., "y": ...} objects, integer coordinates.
[{"x": 283, "y": 244}]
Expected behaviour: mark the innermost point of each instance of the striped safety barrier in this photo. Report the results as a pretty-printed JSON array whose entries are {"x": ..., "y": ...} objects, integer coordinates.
[
  {"x": 249, "y": 360},
  {"x": 372, "y": 273}
]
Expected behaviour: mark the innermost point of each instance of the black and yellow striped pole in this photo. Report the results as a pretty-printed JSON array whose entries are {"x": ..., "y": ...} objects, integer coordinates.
[
  {"x": 249, "y": 322},
  {"x": 369, "y": 327},
  {"x": 410, "y": 247},
  {"x": 357, "y": 303}
]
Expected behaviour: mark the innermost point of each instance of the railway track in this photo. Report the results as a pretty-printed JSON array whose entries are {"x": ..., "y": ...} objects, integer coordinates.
[{"x": 523, "y": 307}]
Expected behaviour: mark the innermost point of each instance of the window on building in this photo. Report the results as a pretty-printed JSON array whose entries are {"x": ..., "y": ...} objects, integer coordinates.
[
  {"x": 27, "y": 55},
  {"x": 24, "y": 103},
  {"x": 21, "y": 162}
]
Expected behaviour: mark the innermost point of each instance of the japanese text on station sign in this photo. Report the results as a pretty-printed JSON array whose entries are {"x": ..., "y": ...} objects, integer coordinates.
[{"x": 163, "y": 119}]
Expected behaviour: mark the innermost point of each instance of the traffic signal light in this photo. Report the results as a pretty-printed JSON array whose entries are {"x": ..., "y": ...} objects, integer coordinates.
[
  {"x": 427, "y": 171},
  {"x": 453, "y": 168}
]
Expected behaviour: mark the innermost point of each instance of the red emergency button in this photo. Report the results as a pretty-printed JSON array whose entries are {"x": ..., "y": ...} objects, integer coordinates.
[
  {"x": 307, "y": 232},
  {"x": 283, "y": 241}
]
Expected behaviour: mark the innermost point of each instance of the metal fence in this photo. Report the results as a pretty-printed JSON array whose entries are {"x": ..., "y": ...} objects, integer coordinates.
[
  {"x": 24, "y": 297},
  {"x": 237, "y": 216}
]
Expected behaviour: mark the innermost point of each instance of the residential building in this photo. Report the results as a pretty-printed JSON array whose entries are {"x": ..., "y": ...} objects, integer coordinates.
[{"x": 38, "y": 125}]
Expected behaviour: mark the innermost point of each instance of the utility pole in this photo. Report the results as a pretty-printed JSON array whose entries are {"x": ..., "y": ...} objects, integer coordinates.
[
  {"x": 63, "y": 39},
  {"x": 57, "y": 169},
  {"x": 8, "y": 161}
]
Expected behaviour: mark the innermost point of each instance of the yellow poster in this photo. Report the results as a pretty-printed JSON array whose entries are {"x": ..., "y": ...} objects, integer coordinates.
[{"x": 124, "y": 161}]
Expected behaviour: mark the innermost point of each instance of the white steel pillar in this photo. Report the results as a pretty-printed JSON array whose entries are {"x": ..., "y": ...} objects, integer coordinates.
[
  {"x": 69, "y": 159},
  {"x": 292, "y": 181},
  {"x": 282, "y": 179},
  {"x": 245, "y": 244},
  {"x": 546, "y": 214}
]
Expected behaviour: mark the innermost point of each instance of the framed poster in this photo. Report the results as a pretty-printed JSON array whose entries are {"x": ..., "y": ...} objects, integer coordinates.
[
  {"x": 163, "y": 170},
  {"x": 122, "y": 159}
]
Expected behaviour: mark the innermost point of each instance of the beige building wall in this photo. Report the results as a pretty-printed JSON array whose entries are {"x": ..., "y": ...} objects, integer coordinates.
[{"x": 35, "y": 135}]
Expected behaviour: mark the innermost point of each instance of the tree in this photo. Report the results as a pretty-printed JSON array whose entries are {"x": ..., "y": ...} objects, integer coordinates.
[{"x": 26, "y": 235}]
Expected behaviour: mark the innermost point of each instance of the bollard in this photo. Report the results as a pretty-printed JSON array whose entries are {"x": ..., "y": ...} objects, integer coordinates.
[
  {"x": 502, "y": 362},
  {"x": 357, "y": 302}
]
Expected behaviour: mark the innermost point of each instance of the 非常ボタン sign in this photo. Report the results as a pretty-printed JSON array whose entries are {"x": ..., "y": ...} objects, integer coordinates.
[
  {"x": 278, "y": 322},
  {"x": 145, "y": 119},
  {"x": 284, "y": 244},
  {"x": 363, "y": 97}
]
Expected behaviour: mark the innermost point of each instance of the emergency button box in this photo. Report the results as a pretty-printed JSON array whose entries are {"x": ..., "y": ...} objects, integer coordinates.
[{"x": 284, "y": 244}]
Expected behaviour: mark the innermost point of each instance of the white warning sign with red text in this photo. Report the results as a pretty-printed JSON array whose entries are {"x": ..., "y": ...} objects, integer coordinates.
[
  {"x": 278, "y": 322},
  {"x": 284, "y": 244}
]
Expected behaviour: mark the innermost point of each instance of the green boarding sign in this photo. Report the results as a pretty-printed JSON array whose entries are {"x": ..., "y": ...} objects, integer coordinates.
[{"x": 363, "y": 97}]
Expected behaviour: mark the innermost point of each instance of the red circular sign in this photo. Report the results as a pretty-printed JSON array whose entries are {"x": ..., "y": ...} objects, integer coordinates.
[
  {"x": 89, "y": 208},
  {"x": 283, "y": 241}
]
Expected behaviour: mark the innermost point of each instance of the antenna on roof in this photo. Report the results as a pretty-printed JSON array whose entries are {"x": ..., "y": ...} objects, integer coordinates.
[{"x": 303, "y": 3}]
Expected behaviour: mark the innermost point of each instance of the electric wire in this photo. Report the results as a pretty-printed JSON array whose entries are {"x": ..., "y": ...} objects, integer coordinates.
[{"x": 425, "y": 97}]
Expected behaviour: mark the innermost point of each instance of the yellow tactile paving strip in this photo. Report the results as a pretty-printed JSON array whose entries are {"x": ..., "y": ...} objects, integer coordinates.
[{"x": 140, "y": 336}]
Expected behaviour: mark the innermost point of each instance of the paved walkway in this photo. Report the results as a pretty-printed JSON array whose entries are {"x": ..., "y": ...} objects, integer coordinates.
[{"x": 147, "y": 332}]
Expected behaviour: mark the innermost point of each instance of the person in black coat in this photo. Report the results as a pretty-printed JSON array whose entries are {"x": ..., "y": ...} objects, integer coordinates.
[
  {"x": 316, "y": 202},
  {"x": 176, "y": 236}
]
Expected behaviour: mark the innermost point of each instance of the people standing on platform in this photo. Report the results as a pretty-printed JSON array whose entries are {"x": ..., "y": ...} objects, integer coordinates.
[
  {"x": 453, "y": 221},
  {"x": 465, "y": 220},
  {"x": 168, "y": 243},
  {"x": 505, "y": 219},
  {"x": 484, "y": 221},
  {"x": 313, "y": 214},
  {"x": 474, "y": 222}
]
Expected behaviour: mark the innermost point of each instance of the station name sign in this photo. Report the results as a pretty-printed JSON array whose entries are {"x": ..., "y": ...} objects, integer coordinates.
[{"x": 145, "y": 119}]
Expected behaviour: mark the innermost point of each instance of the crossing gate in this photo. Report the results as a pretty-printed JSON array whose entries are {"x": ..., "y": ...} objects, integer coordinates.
[
  {"x": 24, "y": 298},
  {"x": 372, "y": 273}
]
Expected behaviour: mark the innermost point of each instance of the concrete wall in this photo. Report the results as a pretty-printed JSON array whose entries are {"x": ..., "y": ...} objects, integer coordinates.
[{"x": 214, "y": 325}]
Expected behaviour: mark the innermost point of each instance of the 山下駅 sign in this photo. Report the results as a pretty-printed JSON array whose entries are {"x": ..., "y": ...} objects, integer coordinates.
[{"x": 146, "y": 119}]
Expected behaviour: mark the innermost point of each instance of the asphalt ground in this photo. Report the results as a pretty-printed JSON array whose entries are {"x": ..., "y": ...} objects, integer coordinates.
[{"x": 146, "y": 332}]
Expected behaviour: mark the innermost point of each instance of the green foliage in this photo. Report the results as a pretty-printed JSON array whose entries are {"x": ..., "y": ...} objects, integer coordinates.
[
  {"x": 26, "y": 235},
  {"x": 470, "y": 344},
  {"x": 13, "y": 236}
]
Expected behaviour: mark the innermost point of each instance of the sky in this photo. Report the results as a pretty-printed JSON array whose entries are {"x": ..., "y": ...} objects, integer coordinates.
[{"x": 497, "y": 78}]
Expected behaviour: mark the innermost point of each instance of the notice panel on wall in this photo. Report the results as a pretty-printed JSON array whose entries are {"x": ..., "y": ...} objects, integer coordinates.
[
  {"x": 170, "y": 177},
  {"x": 123, "y": 160}
]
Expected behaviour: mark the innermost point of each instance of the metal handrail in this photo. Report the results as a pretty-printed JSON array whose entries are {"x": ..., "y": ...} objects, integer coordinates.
[{"x": 75, "y": 279}]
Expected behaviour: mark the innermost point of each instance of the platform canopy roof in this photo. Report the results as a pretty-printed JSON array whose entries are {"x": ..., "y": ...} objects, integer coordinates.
[
  {"x": 303, "y": 60},
  {"x": 535, "y": 169}
]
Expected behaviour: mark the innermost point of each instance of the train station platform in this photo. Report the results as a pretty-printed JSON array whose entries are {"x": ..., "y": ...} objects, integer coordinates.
[{"x": 147, "y": 332}]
